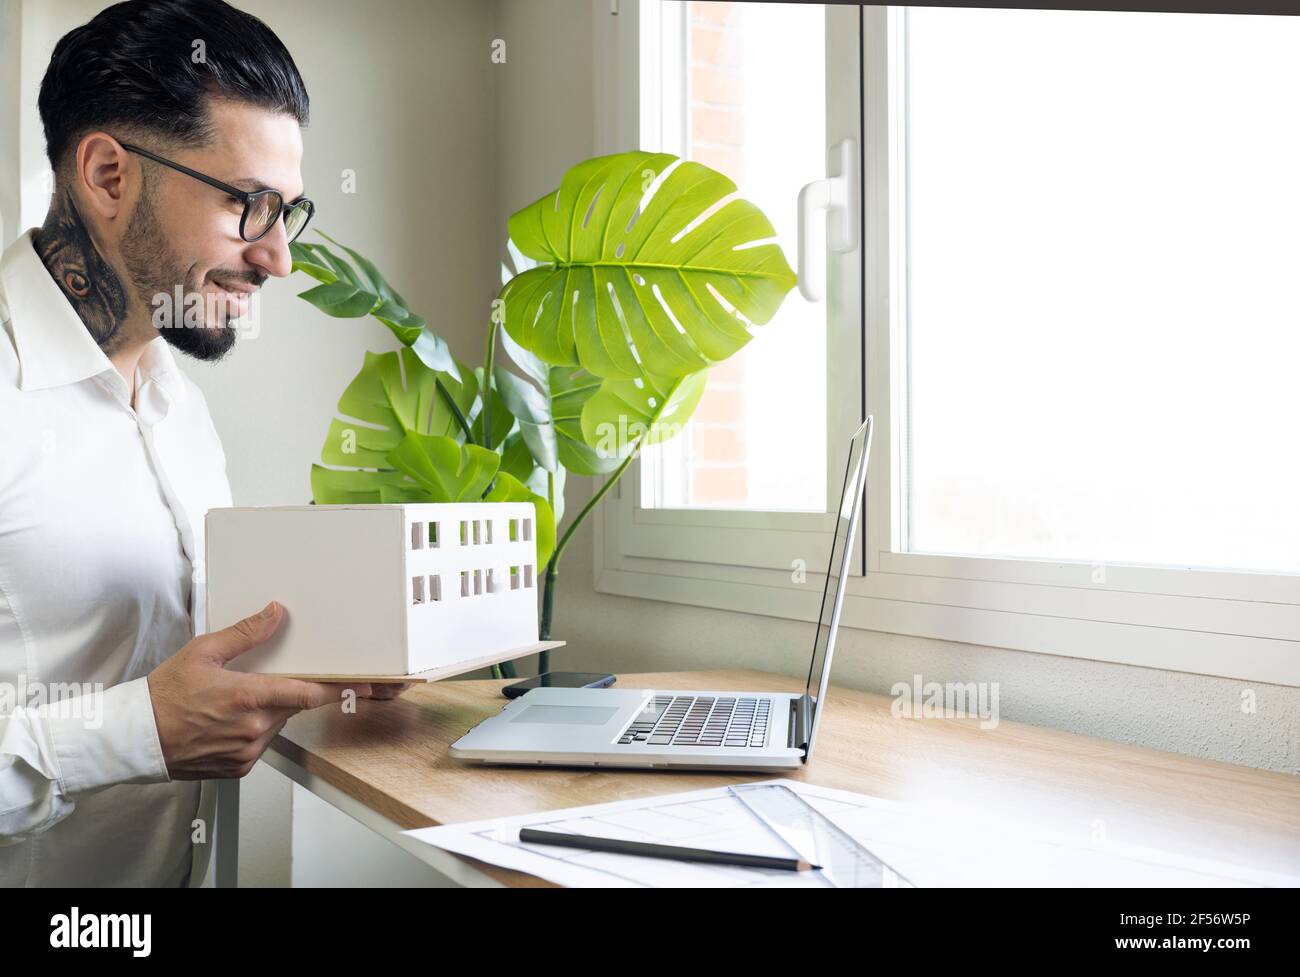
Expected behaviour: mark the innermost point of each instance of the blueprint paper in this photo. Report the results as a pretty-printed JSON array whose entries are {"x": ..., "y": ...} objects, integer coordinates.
[{"x": 927, "y": 849}]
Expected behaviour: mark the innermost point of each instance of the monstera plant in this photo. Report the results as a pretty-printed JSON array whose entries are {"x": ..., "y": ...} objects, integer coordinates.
[{"x": 629, "y": 281}]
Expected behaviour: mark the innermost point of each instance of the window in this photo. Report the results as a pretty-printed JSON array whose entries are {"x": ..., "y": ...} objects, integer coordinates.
[
  {"x": 767, "y": 94},
  {"x": 1101, "y": 319},
  {"x": 741, "y": 87},
  {"x": 418, "y": 535},
  {"x": 1071, "y": 314}
]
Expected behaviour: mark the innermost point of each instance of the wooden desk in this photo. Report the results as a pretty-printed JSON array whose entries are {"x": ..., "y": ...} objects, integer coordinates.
[{"x": 387, "y": 766}]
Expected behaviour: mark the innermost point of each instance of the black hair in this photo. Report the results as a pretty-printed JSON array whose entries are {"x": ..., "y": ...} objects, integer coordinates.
[{"x": 139, "y": 65}]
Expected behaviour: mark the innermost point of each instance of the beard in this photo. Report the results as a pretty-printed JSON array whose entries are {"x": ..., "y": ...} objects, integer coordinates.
[{"x": 155, "y": 271}]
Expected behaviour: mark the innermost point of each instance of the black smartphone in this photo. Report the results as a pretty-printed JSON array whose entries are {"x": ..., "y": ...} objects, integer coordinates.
[{"x": 559, "y": 680}]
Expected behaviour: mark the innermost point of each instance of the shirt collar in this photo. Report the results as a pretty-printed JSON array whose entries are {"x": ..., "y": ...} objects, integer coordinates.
[{"x": 54, "y": 347}]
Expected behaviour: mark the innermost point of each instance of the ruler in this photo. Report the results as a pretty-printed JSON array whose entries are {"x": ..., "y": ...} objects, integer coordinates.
[{"x": 845, "y": 864}]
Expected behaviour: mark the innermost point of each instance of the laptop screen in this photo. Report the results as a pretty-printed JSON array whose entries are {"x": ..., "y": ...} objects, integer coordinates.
[{"x": 846, "y": 524}]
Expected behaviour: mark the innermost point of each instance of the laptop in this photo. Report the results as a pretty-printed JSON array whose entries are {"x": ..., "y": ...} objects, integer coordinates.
[{"x": 614, "y": 727}]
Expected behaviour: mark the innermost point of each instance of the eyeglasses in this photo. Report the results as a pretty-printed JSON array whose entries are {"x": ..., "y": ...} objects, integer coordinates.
[{"x": 262, "y": 208}]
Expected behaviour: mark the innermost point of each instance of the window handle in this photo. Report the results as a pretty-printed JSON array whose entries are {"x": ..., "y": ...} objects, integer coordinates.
[{"x": 828, "y": 217}]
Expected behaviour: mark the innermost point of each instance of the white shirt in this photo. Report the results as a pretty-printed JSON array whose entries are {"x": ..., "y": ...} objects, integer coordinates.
[{"x": 101, "y": 527}]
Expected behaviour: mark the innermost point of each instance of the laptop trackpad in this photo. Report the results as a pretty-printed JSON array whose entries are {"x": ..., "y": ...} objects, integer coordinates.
[{"x": 567, "y": 715}]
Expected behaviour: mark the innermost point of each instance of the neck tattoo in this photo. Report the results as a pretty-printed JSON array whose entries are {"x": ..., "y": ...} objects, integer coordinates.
[{"x": 82, "y": 273}]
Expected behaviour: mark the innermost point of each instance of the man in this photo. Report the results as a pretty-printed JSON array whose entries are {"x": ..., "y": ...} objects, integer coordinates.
[{"x": 110, "y": 459}]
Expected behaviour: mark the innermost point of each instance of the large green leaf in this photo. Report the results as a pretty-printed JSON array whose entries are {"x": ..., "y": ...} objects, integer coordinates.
[
  {"x": 571, "y": 388},
  {"x": 502, "y": 417},
  {"x": 550, "y": 410},
  {"x": 332, "y": 486},
  {"x": 352, "y": 287},
  {"x": 392, "y": 395},
  {"x": 447, "y": 470},
  {"x": 627, "y": 290},
  {"x": 533, "y": 410},
  {"x": 550, "y": 486},
  {"x": 642, "y": 411},
  {"x": 517, "y": 461},
  {"x": 509, "y": 489},
  {"x": 443, "y": 470}
]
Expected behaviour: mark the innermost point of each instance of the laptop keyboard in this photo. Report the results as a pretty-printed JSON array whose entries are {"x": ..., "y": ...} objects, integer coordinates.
[{"x": 699, "y": 720}]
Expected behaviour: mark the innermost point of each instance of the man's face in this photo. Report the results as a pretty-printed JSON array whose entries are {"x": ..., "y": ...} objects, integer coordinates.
[{"x": 184, "y": 232}]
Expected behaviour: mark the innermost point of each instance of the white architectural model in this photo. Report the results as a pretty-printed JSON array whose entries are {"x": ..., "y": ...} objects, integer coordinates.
[{"x": 377, "y": 589}]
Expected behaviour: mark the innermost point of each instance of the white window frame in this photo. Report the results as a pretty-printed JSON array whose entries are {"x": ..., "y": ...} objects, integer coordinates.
[
  {"x": 742, "y": 539},
  {"x": 1241, "y": 625}
]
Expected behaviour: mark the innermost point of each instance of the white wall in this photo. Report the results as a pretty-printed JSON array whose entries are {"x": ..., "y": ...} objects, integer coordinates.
[
  {"x": 10, "y": 103},
  {"x": 28, "y": 30}
]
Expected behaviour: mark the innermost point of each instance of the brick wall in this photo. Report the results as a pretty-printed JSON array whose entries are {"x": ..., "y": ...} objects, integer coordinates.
[{"x": 716, "y": 130}]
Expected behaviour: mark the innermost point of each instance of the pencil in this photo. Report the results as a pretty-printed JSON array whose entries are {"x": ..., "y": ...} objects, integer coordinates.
[{"x": 649, "y": 849}]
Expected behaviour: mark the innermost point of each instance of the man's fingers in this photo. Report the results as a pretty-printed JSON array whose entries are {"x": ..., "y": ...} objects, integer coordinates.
[
  {"x": 388, "y": 690},
  {"x": 292, "y": 693},
  {"x": 229, "y": 643}
]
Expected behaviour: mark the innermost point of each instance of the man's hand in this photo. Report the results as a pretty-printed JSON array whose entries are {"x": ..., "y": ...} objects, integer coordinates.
[
  {"x": 214, "y": 723},
  {"x": 387, "y": 690}
]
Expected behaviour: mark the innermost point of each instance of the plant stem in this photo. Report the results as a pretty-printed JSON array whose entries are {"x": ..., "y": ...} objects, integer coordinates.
[
  {"x": 553, "y": 567},
  {"x": 507, "y": 667},
  {"x": 548, "y": 598},
  {"x": 595, "y": 499},
  {"x": 487, "y": 383},
  {"x": 548, "y": 608},
  {"x": 455, "y": 410}
]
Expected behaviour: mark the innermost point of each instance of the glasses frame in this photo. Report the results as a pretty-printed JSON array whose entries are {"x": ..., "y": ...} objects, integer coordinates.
[{"x": 249, "y": 197}]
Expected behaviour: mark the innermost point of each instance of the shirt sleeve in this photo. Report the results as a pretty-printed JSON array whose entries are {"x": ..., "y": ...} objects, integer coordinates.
[{"x": 53, "y": 752}]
